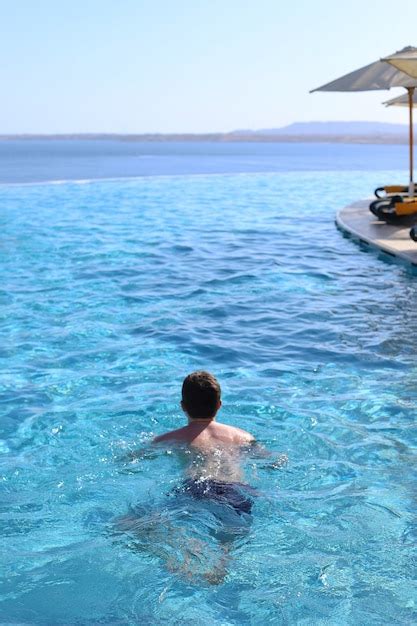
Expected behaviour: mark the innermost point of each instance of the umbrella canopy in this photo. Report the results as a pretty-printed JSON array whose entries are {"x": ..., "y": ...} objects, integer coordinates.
[
  {"x": 380, "y": 75},
  {"x": 401, "y": 101},
  {"x": 405, "y": 60}
]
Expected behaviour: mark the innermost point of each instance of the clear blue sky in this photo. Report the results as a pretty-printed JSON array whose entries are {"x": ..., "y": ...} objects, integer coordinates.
[{"x": 191, "y": 65}]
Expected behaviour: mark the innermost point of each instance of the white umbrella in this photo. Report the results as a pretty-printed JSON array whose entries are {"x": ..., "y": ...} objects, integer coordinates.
[
  {"x": 380, "y": 75},
  {"x": 401, "y": 101},
  {"x": 404, "y": 60}
]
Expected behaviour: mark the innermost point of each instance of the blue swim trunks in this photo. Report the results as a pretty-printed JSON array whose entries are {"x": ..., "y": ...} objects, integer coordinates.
[{"x": 235, "y": 495}]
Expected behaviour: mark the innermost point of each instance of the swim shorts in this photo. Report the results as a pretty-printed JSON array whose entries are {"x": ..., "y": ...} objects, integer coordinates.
[{"x": 235, "y": 495}]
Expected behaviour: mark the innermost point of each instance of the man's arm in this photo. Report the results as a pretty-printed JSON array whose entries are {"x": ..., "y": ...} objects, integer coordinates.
[
  {"x": 258, "y": 451},
  {"x": 142, "y": 454}
]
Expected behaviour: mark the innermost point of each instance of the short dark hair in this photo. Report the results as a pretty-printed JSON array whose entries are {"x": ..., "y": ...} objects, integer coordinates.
[{"x": 201, "y": 395}]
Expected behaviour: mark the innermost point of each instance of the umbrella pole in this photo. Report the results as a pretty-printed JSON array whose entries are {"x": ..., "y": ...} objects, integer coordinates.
[{"x": 411, "y": 137}]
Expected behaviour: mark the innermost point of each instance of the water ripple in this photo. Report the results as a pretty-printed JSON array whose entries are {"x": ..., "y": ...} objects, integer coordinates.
[{"x": 111, "y": 293}]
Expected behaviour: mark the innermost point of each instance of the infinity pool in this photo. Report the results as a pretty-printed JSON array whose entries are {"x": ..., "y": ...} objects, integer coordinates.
[{"x": 111, "y": 293}]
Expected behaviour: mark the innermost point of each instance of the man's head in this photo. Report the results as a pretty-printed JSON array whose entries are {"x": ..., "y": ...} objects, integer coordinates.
[{"x": 201, "y": 395}]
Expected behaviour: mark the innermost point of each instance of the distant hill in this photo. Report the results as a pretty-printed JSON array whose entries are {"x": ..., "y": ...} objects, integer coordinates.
[
  {"x": 331, "y": 128},
  {"x": 312, "y": 132}
]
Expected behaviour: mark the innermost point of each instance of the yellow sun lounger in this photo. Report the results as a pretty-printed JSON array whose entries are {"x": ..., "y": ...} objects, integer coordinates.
[
  {"x": 408, "y": 206},
  {"x": 390, "y": 190},
  {"x": 395, "y": 209}
]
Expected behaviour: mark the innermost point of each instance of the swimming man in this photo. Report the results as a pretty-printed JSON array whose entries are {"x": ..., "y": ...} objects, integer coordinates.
[{"x": 214, "y": 472}]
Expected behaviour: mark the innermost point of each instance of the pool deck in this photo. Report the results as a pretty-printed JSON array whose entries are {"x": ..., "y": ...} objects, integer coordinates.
[{"x": 358, "y": 222}]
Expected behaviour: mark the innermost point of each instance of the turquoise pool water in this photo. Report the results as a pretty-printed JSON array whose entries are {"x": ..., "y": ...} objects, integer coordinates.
[{"x": 113, "y": 291}]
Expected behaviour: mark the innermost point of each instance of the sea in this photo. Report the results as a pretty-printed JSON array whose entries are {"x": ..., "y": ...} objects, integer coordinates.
[{"x": 127, "y": 265}]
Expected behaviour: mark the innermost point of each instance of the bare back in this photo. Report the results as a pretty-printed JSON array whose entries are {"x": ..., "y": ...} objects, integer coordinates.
[
  {"x": 206, "y": 435},
  {"x": 216, "y": 449}
]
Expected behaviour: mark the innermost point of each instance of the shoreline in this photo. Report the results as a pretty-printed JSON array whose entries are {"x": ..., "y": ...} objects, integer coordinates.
[{"x": 211, "y": 138}]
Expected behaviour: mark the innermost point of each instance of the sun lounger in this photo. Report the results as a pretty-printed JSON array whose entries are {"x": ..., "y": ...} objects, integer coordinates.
[
  {"x": 395, "y": 209},
  {"x": 390, "y": 190}
]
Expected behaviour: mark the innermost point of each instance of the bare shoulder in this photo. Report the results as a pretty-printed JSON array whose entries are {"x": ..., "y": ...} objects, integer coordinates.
[
  {"x": 239, "y": 435},
  {"x": 246, "y": 437},
  {"x": 174, "y": 435}
]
